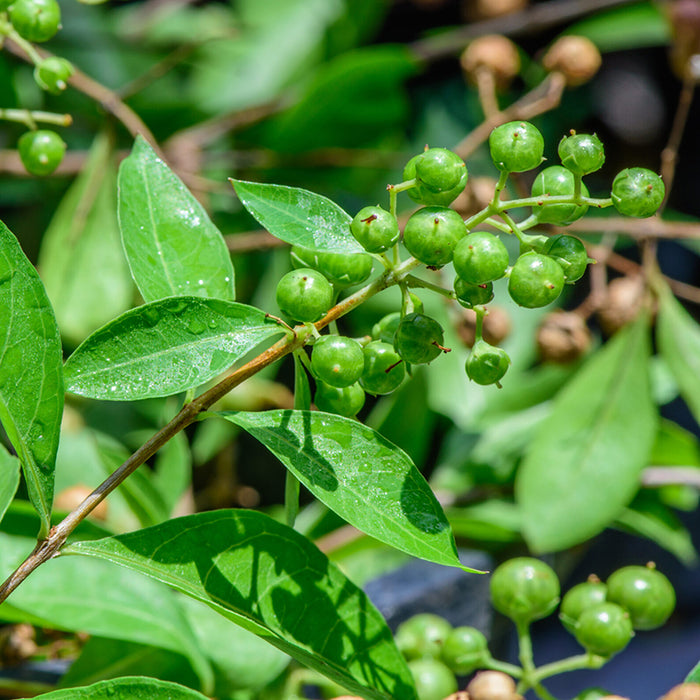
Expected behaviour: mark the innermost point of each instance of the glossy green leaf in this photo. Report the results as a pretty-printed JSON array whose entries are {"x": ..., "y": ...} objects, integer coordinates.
[
  {"x": 172, "y": 247},
  {"x": 272, "y": 581},
  {"x": 165, "y": 347},
  {"x": 134, "y": 688},
  {"x": 678, "y": 336},
  {"x": 31, "y": 372},
  {"x": 81, "y": 259},
  {"x": 360, "y": 475},
  {"x": 583, "y": 465},
  {"x": 694, "y": 675},
  {"x": 298, "y": 216},
  {"x": 9, "y": 479}
]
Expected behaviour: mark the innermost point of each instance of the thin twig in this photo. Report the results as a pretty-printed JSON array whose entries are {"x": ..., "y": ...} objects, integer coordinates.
[{"x": 662, "y": 476}]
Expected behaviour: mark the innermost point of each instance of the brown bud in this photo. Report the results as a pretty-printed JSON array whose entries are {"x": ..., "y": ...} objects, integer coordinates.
[
  {"x": 684, "y": 17},
  {"x": 18, "y": 644},
  {"x": 623, "y": 301},
  {"x": 476, "y": 196},
  {"x": 486, "y": 9},
  {"x": 496, "y": 328},
  {"x": 492, "y": 685},
  {"x": 575, "y": 57},
  {"x": 562, "y": 337},
  {"x": 494, "y": 53},
  {"x": 69, "y": 499},
  {"x": 684, "y": 691},
  {"x": 459, "y": 695}
]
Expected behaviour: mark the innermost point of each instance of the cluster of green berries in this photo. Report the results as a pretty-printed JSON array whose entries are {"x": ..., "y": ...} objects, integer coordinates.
[{"x": 437, "y": 235}]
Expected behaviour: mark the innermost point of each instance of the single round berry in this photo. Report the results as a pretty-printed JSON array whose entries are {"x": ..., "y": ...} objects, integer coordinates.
[
  {"x": 343, "y": 401},
  {"x": 492, "y": 685},
  {"x": 418, "y": 339},
  {"x": 35, "y": 20},
  {"x": 52, "y": 74},
  {"x": 604, "y": 629},
  {"x": 422, "y": 635},
  {"x": 337, "y": 360},
  {"x": 645, "y": 593},
  {"x": 575, "y": 57},
  {"x": 440, "y": 175},
  {"x": 570, "y": 253},
  {"x": 304, "y": 295},
  {"x": 41, "y": 152},
  {"x": 471, "y": 295},
  {"x": 516, "y": 146},
  {"x": 524, "y": 589},
  {"x": 340, "y": 269},
  {"x": 465, "y": 649},
  {"x": 385, "y": 328},
  {"x": 433, "y": 680},
  {"x": 637, "y": 192},
  {"x": 486, "y": 364},
  {"x": 375, "y": 229},
  {"x": 384, "y": 368},
  {"x": 582, "y": 153},
  {"x": 432, "y": 233},
  {"x": 579, "y": 598},
  {"x": 535, "y": 280},
  {"x": 557, "y": 181},
  {"x": 480, "y": 257}
]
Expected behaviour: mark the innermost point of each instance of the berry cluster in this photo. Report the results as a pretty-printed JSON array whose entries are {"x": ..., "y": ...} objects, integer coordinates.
[{"x": 436, "y": 235}]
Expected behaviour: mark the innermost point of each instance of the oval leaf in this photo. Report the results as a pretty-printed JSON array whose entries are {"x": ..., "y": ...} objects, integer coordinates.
[
  {"x": 360, "y": 475},
  {"x": 31, "y": 372},
  {"x": 583, "y": 466},
  {"x": 171, "y": 245},
  {"x": 134, "y": 688},
  {"x": 9, "y": 479},
  {"x": 165, "y": 347},
  {"x": 298, "y": 216},
  {"x": 270, "y": 580}
]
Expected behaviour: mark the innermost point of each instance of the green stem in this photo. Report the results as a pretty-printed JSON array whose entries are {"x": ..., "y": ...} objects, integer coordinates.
[
  {"x": 413, "y": 281},
  {"x": 503, "y": 666},
  {"x": 572, "y": 663},
  {"x": 30, "y": 117},
  {"x": 525, "y": 645},
  {"x": 502, "y": 179},
  {"x": 479, "y": 329},
  {"x": 26, "y": 46},
  {"x": 558, "y": 199}
]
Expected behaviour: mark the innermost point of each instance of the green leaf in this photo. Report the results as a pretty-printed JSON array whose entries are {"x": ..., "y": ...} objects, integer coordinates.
[
  {"x": 694, "y": 675},
  {"x": 9, "y": 479},
  {"x": 81, "y": 259},
  {"x": 298, "y": 217},
  {"x": 31, "y": 376},
  {"x": 358, "y": 474},
  {"x": 583, "y": 465},
  {"x": 172, "y": 247},
  {"x": 678, "y": 337},
  {"x": 134, "y": 688},
  {"x": 272, "y": 581},
  {"x": 165, "y": 347}
]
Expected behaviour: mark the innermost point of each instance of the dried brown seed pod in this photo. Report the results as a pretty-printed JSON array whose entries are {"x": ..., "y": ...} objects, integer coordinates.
[
  {"x": 495, "y": 53},
  {"x": 684, "y": 691},
  {"x": 684, "y": 17},
  {"x": 492, "y": 685},
  {"x": 496, "y": 328},
  {"x": 575, "y": 57},
  {"x": 69, "y": 499},
  {"x": 623, "y": 301},
  {"x": 562, "y": 337},
  {"x": 486, "y": 9},
  {"x": 459, "y": 695}
]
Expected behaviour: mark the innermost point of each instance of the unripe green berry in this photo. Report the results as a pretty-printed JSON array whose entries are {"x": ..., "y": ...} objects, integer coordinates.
[
  {"x": 570, "y": 253},
  {"x": 384, "y": 368},
  {"x": 432, "y": 233},
  {"x": 464, "y": 650},
  {"x": 535, "y": 280},
  {"x": 604, "y": 629},
  {"x": 422, "y": 636},
  {"x": 343, "y": 401},
  {"x": 487, "y": 364},
  {"x": 582, "y": 153},
  {"x": 41, "y": 152},
  {"x": 579, "y": 598},
  {"x": 637, "y": 192},
  {"x": 337, "y": 360},
  {"x": 440, "y": 175},
  {"x": 385, "y": 328},
  {"x": 471, "y": 295},
  {"x": 304, "y": 295},
  {"x": 340, "y": 269},
  {"x": 418, "y": 339},
  {"x": 433, "y": 680},
  {"x": 375, "y": 229},
  {"x": 516, "y": 146},
  {"x": 35, "y": 20},
  {"x": 480, "y": 257},
  {"x": 52, "y": 74},
  {"x": 557, "y": 181}
]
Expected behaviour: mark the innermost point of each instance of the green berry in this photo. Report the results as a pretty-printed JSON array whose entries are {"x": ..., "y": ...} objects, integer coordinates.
[
  {"x": 432, "y": 233},
  {"x": 340, "y": 269},
  {"x": 557, "y": 181},
  {"x": 337, "y": 360},
  {"x": 433, "y": 680},
  {"x": 645, "y": 593},
  {"x": 487, "y": 364},
  {"x": 516, "y": 146},
  {"x": 570, "y": 253},
  {"x": 41, "y": 151},
  {"x": 343, "y": 401},
  {"x": 480, "y": 257},
  {"x": 637, "y": 192},
  {"x": 524, "y": 589},
  {"x": 471, "y": 295},
  {"x": 304, "y": 295},
  {"x": 384, "y": 368},
  {"x": 35, "y": 20},
  {"x": 52, "y": 74},
  {"x": 582, "y": 154},
  {"x": 604, "y": 629},
  {"x": 422, "y": 636},
  {"x": 535, "y": 280},
  {"x": 385, "y": 328},
  {"x": 465, "y": 649},
  {"x": 579, "y": 598},
  {"x": 418, "y": 339},
  {"x": 440, "y": 175},
  {"x": 375, "y": 229}
]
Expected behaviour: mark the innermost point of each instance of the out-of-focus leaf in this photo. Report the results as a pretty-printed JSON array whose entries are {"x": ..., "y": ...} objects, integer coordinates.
[
  {"x": 134, "y": 688},
  {"x": 490, "y": 522},
  {"x": 172, "y": 474},
  {"x": 674, "y": 446}
]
